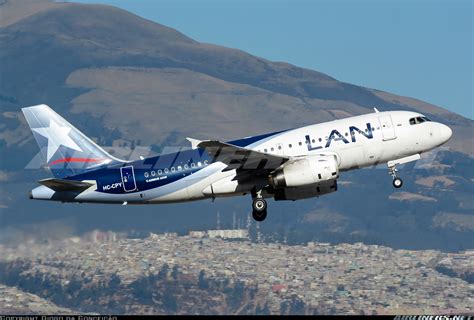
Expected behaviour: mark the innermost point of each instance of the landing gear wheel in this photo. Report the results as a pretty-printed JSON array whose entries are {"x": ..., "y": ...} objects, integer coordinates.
[
  {"x": 259, "y": 215},
  {"x": 397, "y": 182},
  {"x": 259, "y": 204},
  {"x": 259, "y": 209}
]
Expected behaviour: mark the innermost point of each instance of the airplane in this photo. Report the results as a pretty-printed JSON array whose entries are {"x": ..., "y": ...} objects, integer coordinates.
[{"x": 287, "y": 165}]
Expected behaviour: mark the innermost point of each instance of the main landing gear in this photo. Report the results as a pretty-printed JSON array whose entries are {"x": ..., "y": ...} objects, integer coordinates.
[
  {"x": 259, "y": 206},
  {"x": 392, "y": 170},
  {"x": 397, "y": 182}
]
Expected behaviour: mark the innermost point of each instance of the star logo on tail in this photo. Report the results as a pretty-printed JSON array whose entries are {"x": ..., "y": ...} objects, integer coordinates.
[{"x": 57, "y": 136}]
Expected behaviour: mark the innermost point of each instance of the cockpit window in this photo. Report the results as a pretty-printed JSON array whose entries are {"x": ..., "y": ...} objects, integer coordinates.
[{"x": 418, "y": 120}]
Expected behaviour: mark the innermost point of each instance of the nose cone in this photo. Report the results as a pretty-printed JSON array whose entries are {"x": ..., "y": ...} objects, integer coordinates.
[{"x": 445, "y": 132}]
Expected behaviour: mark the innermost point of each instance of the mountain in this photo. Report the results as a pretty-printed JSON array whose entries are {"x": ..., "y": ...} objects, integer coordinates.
[{"x": 127, "y": 82}]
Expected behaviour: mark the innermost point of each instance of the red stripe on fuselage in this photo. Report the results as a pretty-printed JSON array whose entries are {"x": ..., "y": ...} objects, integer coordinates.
[{"x": 76, "y": 160}]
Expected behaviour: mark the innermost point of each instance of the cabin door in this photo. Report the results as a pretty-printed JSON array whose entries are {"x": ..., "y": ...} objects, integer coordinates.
[
  {"x": 128, "y": 178},
  {"x": 388, "y": 130}
]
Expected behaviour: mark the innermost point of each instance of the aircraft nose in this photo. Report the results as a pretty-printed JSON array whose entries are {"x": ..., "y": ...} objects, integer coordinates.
[{"x": 446, "y": 132}]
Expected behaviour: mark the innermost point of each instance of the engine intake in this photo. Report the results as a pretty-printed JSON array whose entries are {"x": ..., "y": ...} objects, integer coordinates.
[{"x": 304, "y": 172}]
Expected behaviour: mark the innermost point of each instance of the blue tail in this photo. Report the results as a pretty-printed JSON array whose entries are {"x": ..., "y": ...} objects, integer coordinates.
[{"x": 67, "y": 150}]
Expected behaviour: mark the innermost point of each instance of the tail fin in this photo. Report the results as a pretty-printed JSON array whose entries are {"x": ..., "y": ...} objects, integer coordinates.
[{"x": 67, "y": 150}]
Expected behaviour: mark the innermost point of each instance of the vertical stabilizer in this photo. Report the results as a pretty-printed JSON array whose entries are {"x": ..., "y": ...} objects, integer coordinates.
[{"x": 66, "y": 150}]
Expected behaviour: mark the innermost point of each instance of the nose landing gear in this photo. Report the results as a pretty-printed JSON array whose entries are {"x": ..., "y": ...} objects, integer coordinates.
[
  {"x": 392, "y": 170},
  {"x": 397, "y": 182}
]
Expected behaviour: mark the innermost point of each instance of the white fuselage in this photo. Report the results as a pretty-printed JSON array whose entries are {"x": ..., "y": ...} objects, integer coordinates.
[{"x": 355, "y": 142}]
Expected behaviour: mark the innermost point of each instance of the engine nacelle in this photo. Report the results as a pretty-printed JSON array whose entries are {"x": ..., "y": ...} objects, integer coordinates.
[
  {"x": 305, "y": 172},
  {"x": 297, "y": 193}
]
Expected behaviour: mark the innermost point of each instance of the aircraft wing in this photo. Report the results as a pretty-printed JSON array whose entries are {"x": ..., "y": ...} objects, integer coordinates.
[
  {"x": 65, "y": 185},
  {"x": 241, "y": 158}
]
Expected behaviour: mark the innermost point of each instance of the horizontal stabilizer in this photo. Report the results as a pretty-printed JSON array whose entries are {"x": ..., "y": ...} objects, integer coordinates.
[{"x": 65, "y": 185}]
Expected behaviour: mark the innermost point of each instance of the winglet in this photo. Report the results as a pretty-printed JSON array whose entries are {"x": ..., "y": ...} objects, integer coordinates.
[
  {"x": 194, "y": 142},
  {"x": 376, "y": 110}
]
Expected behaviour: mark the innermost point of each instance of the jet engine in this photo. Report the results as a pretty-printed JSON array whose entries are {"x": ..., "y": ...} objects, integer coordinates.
[{"x": 305, "y": 171}]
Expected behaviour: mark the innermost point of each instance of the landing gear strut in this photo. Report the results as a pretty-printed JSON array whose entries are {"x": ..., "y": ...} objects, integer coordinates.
[
  {"x": 397, "y": 182},
  {"x": 259, "y": 207}
]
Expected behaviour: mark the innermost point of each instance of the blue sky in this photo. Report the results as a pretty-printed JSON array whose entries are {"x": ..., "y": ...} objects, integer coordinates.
[{"x": 421, "y": 49}]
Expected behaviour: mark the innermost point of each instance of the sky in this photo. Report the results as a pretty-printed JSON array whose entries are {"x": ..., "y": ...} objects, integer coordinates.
[{"x": 421, "y": 48}]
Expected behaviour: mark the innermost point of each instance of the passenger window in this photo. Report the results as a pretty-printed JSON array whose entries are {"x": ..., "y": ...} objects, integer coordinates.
[
  {"x": 192, "y": 165},
  {"x": 199, "y": 164},
  {"x": 205, "y": 162},
  {"x": 289, "y": 145},
  {"x": 180, "y": 168},
  {"x": 146, "y": 175},
  {"x": 272, "y": 149},
  {"x": 153, "y": 173},
  {"x": 160, "y": 172},
  {"x": 313, "y": 141},
  {"x": 265, "y": 150},
  {"x": 279, "y": 147},
  {"x": 300, "y": 143},
  {"x": 186, "y": 167},
  {"x": 320, "y": 139},
  {"x": 173, "y": 169},
  {"x": 166, "y": 170}
]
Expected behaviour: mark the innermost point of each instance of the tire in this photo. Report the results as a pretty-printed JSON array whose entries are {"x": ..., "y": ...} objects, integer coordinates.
[
  {"x": 259, "y": 215},
  {"x": 259, "y": 205},
  {"x": 397, "y": 183}
]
